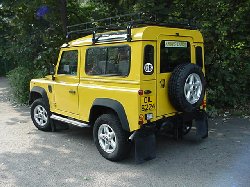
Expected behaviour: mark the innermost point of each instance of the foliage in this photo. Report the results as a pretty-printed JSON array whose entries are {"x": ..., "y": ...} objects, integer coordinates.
[
  {"x": 30, "y": 41},
  {"x": 19, "y": 81}
]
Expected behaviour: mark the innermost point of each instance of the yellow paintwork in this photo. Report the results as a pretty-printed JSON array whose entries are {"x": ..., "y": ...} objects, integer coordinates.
[{"x": 123, "y": 89}]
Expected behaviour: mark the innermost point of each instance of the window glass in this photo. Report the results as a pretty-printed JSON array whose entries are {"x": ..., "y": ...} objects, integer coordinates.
[
  {"x": 198, "y": 54},
  {"x": 174, "y": 53},
  {"x": 148, "y": 64},
  {"x": 96, "y": 61},
  {"x": 108, "y": 61},
  {"x": 68, "y": 63}
]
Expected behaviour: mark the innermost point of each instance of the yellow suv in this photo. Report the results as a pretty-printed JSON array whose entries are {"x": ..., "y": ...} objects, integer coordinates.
[{"x": 123, "y": 81}]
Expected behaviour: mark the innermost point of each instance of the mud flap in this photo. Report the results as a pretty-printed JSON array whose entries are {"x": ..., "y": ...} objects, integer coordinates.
[
  {"x": 201, "y": 122},
  {"x": 145, "y": 146}
]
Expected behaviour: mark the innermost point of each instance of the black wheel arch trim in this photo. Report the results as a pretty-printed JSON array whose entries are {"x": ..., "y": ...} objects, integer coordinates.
[
  {"x": 114, "y": 105},
  {"x": 41, "y": 91}
]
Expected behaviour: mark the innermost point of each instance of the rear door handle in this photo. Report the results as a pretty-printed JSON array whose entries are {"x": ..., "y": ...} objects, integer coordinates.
[
  {"x": 72, "y": 91},
  {"x": 162, "y": 82}
]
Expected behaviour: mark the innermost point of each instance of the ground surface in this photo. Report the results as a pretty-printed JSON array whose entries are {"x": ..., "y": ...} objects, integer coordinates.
[{"x": 29, "y": 157}]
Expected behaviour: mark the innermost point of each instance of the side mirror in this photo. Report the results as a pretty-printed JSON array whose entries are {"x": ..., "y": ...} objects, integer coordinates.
[{"x": 52, "y": 71}]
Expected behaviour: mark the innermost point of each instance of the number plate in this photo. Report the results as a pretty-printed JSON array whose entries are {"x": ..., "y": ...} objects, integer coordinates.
[
  {"x": 175, "y": 44},
  {"x": 147, "y": 103}
]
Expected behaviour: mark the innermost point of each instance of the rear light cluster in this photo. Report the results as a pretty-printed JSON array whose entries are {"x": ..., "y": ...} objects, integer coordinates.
[
  {"x": 204, "y": 104},
  {"x": 147, "y": 117},
  {"x": 141, "y": 119}
]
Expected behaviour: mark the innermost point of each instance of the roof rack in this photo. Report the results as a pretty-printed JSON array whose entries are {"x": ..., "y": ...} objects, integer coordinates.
[{"x": 126, "y": 22}]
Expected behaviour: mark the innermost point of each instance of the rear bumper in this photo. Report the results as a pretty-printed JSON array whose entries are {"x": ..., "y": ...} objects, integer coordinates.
[{"x": 177, "y": 118}]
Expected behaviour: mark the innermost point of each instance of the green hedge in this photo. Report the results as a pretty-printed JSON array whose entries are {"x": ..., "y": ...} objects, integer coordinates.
[{"x": 19, "y": 79}]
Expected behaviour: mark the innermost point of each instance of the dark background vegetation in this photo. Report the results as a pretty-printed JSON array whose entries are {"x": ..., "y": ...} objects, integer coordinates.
[{"x": 30, "y": 40}]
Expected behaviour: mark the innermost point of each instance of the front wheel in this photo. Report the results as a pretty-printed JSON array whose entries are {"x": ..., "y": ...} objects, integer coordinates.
[
  {"x": 40, "y": 115},
  {"x": 110, "y": 139}
]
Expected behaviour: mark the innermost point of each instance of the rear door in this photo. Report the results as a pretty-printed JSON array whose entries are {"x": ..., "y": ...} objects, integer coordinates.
[
  {"x": 173, "y": 50},
  {"x": 148, "y": 76}
]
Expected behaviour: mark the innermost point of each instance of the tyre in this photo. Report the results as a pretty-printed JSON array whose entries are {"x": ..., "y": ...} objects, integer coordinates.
[
  {"x": 186, "y": 88},
  {"x": 110, "y": 139},
  {"x": 40, "y": 115}
]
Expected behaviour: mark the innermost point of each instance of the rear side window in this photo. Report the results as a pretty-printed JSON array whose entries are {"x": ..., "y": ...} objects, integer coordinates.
[
  {"x": 68, "y": 63},
  {"x": 108, "y": 61},
  {"x": 148, "y": 63},
  {"x": 174, "y": 53},
  {"x": 198, "y": 54}
]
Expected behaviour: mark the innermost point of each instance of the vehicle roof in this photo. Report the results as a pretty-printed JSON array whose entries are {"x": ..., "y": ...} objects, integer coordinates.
[{"x": 143, "y": 33}]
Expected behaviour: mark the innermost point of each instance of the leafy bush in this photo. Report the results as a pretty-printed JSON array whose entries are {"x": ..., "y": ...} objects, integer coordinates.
[
  {"x": 32, "y": 43},
  {"x": 19, "y": 79}
]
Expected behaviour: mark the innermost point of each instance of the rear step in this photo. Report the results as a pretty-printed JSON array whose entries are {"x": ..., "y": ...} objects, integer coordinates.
[{"x": 70, "y": 121}]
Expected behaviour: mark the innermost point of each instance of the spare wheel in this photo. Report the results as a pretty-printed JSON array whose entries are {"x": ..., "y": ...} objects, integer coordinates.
[{"x": 186, "y": 88}]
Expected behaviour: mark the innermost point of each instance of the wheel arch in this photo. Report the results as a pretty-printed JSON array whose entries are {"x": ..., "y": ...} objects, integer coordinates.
[
  {"x": 36, "y": 93},
  {"x": 105, "y": 105}
]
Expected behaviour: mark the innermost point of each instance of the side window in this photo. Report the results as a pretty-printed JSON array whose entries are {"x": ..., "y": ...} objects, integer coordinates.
[
  {"x": 108, "y": 61},
  {"x": 96, "y": 61},
  {"x": 68, "y": 63},
  {"x": 148, "y": 63},
  {"x": 198, "y": 54},
  {"x": 174, "y": 53}
]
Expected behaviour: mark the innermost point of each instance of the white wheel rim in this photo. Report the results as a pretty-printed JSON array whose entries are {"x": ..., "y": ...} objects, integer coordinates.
[
  {"x": 193, "y": 88},
  {"x": 107, "y": 138},
  {"x": 40, "y": 115}
]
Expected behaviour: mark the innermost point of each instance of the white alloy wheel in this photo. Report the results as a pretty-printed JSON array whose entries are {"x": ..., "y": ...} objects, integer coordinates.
[
  {"x": 40, "y": 115},
  {"x": 193, "y": 88},
  {"x": 107, "y": 138}
]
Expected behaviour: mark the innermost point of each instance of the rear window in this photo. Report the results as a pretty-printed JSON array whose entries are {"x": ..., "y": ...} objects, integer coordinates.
[
  {"x": 174, "y": 53},
  {"x": 108, "y": 61},
  {"x": 199, "y": 58},
  {"x": 148, "y": 63}
]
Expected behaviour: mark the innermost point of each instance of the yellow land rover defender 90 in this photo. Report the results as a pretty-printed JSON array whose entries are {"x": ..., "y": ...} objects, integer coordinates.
[{"x": 125, "y": 82}]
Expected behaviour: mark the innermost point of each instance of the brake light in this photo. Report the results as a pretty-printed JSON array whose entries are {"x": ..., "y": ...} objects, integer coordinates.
[{"x": 140, "y": 92}]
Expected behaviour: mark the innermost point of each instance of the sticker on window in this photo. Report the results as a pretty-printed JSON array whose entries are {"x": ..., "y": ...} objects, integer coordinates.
[
  {"x": 176, "y": 44},
  {"x": 148, "y": 67}
]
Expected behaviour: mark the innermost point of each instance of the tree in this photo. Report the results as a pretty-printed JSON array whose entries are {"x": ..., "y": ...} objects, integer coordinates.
[
  {"x": 63, "y": 11},
  {"x": 30, "y": 38}
]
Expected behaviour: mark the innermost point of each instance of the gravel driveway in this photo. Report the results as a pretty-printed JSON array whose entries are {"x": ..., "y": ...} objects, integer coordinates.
[{"x": 29, "y": 157}]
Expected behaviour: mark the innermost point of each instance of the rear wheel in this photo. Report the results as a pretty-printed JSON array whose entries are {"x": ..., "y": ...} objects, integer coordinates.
[
  {"x": 110, "y": 139},
  {"x": 40, "y": 115}
]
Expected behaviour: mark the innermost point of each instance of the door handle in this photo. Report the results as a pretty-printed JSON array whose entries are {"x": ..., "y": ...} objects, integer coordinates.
[
  {"x": 147, "y": 92},
  {"x": 72, "y": 91},
  {"x": 162, "y": 82}
]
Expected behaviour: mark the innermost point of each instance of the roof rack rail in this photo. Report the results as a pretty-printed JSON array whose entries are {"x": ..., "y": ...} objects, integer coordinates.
[{"x": 127, "y": 22}]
